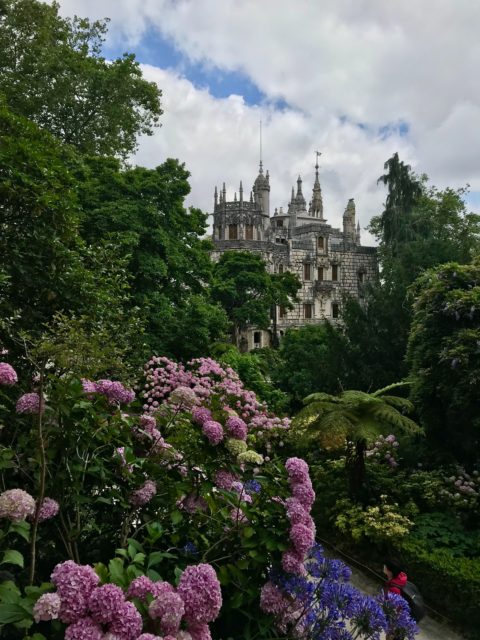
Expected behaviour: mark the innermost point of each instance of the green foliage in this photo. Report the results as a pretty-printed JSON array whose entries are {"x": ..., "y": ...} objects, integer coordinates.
[
  {"x": 444, "y": 357},
  {"x": 452, "y": 583},
  {"x": 49, "y": 271},
  {"x": 247, "y": 292},
  {"x": 311, "y": 358},
  {"x": 254, "y": 371},
  {"x": 142, "y": 212},
  {"x": 443, "y": 530},
  {"x": 331, "y": 421},
  {"x": 377, "y": 524},
  {"x": 52, "y": 72}
]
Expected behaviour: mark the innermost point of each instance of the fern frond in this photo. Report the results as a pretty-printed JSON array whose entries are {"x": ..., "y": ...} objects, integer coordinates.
[
  {"x": 390, "y": 387},
  {"x": 401, "y": 404}
]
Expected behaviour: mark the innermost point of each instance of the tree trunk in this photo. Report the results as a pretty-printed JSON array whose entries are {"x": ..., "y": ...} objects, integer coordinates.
[{"x": 355, "y": 467}]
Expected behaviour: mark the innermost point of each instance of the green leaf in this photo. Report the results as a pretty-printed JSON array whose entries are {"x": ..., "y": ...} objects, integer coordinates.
[
  {"x": 22, "y": 528},
  {"x": 13, "y": 557},
  {"x": 117, "y": 573},
  {"x": 13, "y": 613},
  {"x": 176, "y": 516},
  {"x": 139, "y": 558},
  {"x": 9, "y": 592}
]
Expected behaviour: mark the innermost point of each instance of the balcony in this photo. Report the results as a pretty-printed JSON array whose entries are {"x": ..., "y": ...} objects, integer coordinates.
[{"x": 323, "y": 286}]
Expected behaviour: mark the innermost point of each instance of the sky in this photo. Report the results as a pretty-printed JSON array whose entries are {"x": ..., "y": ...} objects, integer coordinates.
[{"x": 356, "y": 80}]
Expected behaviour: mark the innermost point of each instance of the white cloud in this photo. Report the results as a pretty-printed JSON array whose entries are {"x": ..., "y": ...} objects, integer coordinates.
[{"x": 369, "y": 61}]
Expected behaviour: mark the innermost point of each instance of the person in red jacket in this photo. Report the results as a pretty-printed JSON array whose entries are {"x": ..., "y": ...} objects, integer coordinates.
[{"x": 396, "y": 578}]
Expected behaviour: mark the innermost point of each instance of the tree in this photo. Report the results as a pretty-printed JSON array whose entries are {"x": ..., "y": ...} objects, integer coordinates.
[
  {"x": 52, "y": 71},
  {"x": 244, "y": 288},
  {"x": 404, "y": 189},
  {"x": 312, "y": 357},
  {"x": 444, "y": 358},
  {"x": 142, "y": 212},
  {"x": 49, "y": 271},
  {"x": 349, "y": 421},
  {"x": 283, "y": 293}
]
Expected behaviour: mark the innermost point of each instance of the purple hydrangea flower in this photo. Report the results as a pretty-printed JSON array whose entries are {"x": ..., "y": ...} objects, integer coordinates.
[
  {"x": 29, "y": 403},
  {"x": 201, "y": 415},
  {"x": 75, "y": 584},
  {"x": 213, "y": 431},
  {"x": 128, "y": 623},
  {"x": 236, "y": 428},
  {"x": 49, "y": 509},
  {"x": 105, "y": 603},
  {"x": 16, "y": 505},
  {"x": 143, "y": 494},
  {"x": 8, "y": 375},
  {"x": 46, "y": 607},
  {"x": 200, "y": 590},
  {"x": 84, "y": 629}
]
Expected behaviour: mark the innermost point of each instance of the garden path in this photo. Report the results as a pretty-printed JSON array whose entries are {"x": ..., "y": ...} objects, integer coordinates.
[{"x": 431, "y": 629}]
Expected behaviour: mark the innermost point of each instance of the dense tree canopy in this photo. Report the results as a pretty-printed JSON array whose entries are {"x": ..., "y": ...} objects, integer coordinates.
[
  {"x": 444, "y": 357},
  {"x": 52, "y": 71},
  {"x": 247, "y": 292}
]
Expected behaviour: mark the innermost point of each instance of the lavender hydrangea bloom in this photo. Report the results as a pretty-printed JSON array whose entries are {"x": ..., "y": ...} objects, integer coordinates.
[
  {"x": 128, "y": 623},
  {"x": 140, "y": 587},
  {"x": 236, "y": 428},
  {"x": 49, "y": 509},
  {"x": 200, "y": 590},
  {"x": 84, "y": 629},
  {"x": 143, "y": 494},
  {"x": 46, "y": 607},
  {"x": 199, "y": 632},
  {"x": 213, "y": 431},
  {"x": 169, "y": 609},
  {"x": 201, "y": 415},
  {"x": 8, "y": 375},
  {"x": 297, "y": 470},
  {"x": 105, "y": 603},
  {"x": 16, "y": 505},
  {"x": 29, "y": 403},
  {"x": 74, "y": 584},
  {"x": 184, "y": 397}
]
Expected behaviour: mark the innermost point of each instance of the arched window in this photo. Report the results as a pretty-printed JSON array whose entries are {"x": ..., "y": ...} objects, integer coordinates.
[
  {"x": 249, "y": 232},
  {"x": 233, "y": 232},
  {"x": 280, "y": 268}
]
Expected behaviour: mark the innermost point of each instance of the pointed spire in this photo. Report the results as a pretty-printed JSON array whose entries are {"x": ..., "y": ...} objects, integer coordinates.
[
  {"x": 215, "y": 196},
  {"x": 267, "y": 176},
  {"x": 293, "y": 195},
  {"x": 317, "y": 202},
  {"x": 235, "y": 197},
  {"x": 357, "y": 235},
  {"x": 251, "y": 196}
]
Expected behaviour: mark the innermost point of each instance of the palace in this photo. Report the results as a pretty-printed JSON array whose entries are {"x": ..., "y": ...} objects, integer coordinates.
[{"x": 328, "y": 262}]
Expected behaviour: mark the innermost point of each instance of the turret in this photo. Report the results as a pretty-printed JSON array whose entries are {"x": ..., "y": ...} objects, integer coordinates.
[
  {"x": 261, "y": 191},
  {"x": 349, "y": 221}
]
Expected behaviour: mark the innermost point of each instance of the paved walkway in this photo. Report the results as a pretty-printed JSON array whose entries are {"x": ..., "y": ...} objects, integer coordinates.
[{"x": 430, "y": 629}]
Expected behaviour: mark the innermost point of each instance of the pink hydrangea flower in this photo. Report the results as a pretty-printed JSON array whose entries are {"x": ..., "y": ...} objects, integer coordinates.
[
  {"x": 200, "y": 590},
  {"x": 49, "y": 509},
  {"x": 29, "y": 403},
  {"x": 8, "y": 375},
  {"x": 297, "y": 470},
  {"x": 143, "y": 494},
  {"x": 84, "y": 629},
  {"x": 305, "y": 494},
  {"x": 199, "y": 632},
  {"x": 183, "y": 397},
  {"x": 238, "y": 517},
  {"x": 149, "y": 636},
  {"x": 213, "y": 431},
  {"x": 46, "y": 607},
  {"x": 193, "y": 503},
  {"x": 272, "y": 599},
  {"x": 236, "y": 428},
  {"x": 114, "y": 392},
  {"x": 162, "y": 588},
  {"x": 302, "y": 538},
  {"x": 128, "y": 623},
  {"x": 140, "y": 587},
  {"x": 16, "y": 505},
  {"x": 75, "y": 584},
  {"x": 105, "y": 603},
  {"x": 201, "y": 415},
  {"x": 169, "y": 609},
  {"x": 224, "y": 479},
  {"x": 292, "y": 562}
]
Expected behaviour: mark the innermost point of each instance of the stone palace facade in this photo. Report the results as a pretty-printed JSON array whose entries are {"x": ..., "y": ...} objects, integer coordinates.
[{"x": 327, "y": 261}]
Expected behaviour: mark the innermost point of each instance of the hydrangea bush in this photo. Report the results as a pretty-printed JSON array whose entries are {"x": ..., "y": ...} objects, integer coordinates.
[{"x": 166, "y": 513}]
